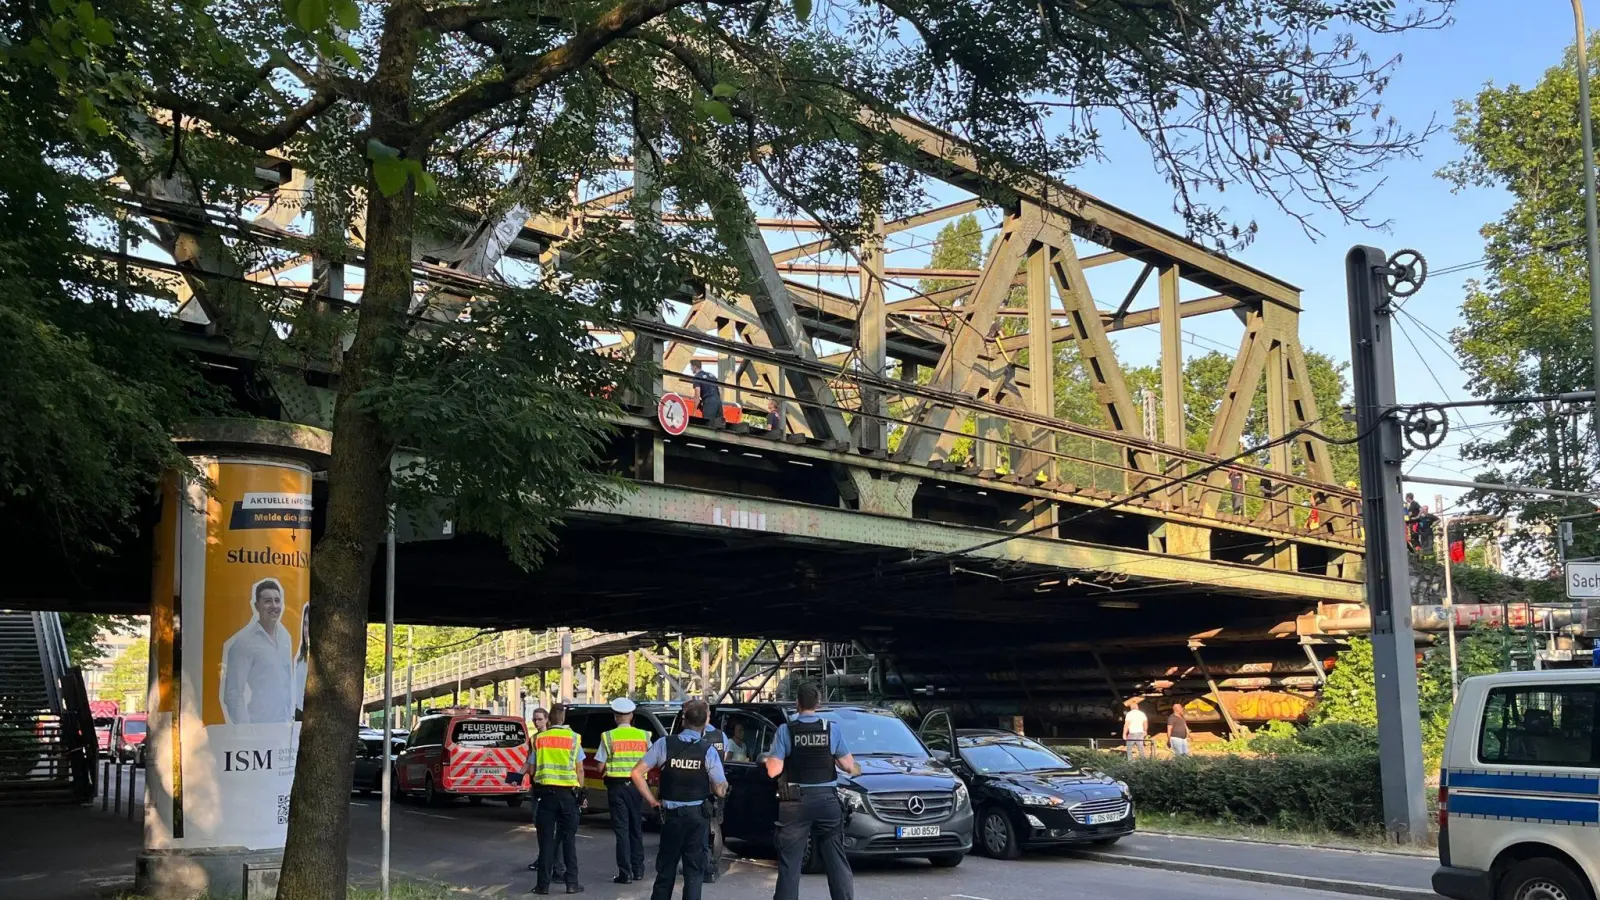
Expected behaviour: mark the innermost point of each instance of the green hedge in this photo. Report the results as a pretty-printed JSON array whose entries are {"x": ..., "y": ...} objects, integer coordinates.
[{"x": 1301, "y": 792}]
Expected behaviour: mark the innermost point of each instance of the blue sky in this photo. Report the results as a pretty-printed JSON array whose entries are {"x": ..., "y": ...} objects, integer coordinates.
[{"x": 1490, "y": 41}]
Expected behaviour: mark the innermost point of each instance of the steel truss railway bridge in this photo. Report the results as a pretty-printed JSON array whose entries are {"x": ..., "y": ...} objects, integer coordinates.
[{"x": 919, "y": 428}]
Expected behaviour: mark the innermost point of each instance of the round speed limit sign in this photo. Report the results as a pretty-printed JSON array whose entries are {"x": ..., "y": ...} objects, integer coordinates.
[{"x": 673, "y": 413}]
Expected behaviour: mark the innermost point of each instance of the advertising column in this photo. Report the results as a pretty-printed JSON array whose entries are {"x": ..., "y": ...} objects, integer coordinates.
[{"x": 230, "y": 646}]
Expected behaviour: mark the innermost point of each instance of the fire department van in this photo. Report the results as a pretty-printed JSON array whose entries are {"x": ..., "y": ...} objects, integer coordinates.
[
  {"x": 1519, "y": 788},
  {"x": 464, "y": 753}
]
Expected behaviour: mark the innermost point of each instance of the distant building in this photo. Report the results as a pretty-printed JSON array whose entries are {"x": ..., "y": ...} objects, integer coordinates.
[{"x": 112, "y": 646}]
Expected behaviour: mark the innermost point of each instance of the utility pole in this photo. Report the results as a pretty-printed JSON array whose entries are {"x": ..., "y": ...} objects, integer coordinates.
[
  {"x": 1394, "y": 649},
  {"x": 1585, "y": 115}
]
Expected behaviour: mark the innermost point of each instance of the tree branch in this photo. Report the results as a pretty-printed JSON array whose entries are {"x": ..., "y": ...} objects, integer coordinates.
[
  {"x": 233, "y": 126},
  {"x": 540, "y": 70}
]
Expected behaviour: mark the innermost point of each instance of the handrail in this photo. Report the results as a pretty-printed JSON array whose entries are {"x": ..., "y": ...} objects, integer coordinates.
[
  {"x": 477, "y": 659},
  {"x": 1049, "y": 450}
]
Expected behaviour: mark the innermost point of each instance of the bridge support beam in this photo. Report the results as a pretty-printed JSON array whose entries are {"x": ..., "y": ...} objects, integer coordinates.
[{"x": 232, "y": 577}]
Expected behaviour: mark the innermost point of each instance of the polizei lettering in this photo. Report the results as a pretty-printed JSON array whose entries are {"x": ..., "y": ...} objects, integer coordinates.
[
  {"x": 693, "y": 764},
  {"x": 266, "y": 556},
  {"x": 819, "y": 739}
]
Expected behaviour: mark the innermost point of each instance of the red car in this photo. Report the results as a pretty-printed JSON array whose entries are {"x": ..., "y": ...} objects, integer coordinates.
[
  {"x": 129, "y": 735},
  {"x": 464, "y": 753}
]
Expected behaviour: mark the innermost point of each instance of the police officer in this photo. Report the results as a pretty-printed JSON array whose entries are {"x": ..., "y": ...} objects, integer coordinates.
[
  {"x": 691, "y": 772},
  {"x": 539, "y": 721},
  {"x": 556, "y": 765},
  {"x": 621, "y": 749},
  {"x": 714, "y": 737},
  {"x": 807, "y": 751}
]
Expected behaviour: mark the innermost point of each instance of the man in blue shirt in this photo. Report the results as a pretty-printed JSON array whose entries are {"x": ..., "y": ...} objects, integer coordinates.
[
  {"x": 811, "y": 752},
  {"x": 691, "y": 771}
]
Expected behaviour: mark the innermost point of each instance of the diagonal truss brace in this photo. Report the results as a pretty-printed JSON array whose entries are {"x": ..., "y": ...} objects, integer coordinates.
[{"x": 958, "y": 370}]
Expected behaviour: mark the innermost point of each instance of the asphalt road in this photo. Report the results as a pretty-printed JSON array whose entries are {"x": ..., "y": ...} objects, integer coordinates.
[{"x": 488, "y": 847}]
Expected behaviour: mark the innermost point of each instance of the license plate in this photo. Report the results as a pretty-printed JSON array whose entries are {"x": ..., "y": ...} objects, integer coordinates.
[
  {"x": 488, "y": 770},
  {"x": 1103, "y": 818},
  {"x": 916, "y": 831}
]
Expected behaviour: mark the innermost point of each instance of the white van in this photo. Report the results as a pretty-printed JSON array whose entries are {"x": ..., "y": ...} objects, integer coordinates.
[{"x": 1519, "y": 793}]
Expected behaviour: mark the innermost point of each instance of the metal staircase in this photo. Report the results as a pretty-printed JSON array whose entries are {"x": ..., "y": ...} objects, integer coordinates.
[{"x": 47, "y": 745}]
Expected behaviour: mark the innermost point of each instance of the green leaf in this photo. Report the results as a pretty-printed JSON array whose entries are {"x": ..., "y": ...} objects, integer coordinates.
[
  {"x": 348, "y": 14},
  {"x": 427, "y": 186},
  {"x": 58, "y": 6},
  {"x": 715, "y": 109},
  {"x": 347, "y": 53},
  {"x": 724, "y": 90},
  {"x": 390, "y": 173},
  {"x": 99, "y": 32},
  {"x": 84, "y": 12},
  {"x": 311, "y": 15},
  {"x": 802, "y": 9},
  {"x": 377, "y": 150}
]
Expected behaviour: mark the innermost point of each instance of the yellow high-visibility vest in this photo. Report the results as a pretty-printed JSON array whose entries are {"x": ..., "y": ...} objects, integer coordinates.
[
  {"x": 555, "y": 753},
  {"x": 625, "y": 748}
]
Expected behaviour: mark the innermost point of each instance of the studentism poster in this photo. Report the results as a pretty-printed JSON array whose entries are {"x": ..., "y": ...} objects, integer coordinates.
[{"x": 242, "y": 651}]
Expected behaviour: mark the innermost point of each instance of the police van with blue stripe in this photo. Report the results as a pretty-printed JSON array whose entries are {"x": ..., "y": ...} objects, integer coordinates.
[{"x": 1519, "y": 790}]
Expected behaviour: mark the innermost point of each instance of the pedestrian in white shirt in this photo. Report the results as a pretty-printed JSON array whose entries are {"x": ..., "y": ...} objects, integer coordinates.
[
  {"x": 1136, "y": 731},
  {"x": 258, "y": 664}
]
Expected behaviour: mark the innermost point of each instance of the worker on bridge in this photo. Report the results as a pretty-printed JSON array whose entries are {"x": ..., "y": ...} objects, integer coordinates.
[
  {"x": 709, "y": 392},
  {"x": 556, "y": 765},
  {"x": 622, "y": 748}
]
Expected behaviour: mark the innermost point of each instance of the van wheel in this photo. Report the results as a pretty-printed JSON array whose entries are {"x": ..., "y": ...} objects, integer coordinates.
[
  {"x": 514, "y": 801},
  {"x": 947, "y": 860},
  {"x": 475, "y": 801},
  {"x": 1541, "y": 878},
  {"x": 430, "y": 794}
]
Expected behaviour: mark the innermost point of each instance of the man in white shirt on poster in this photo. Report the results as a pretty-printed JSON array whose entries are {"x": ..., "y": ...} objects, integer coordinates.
[{"x": 258, "y": 664}]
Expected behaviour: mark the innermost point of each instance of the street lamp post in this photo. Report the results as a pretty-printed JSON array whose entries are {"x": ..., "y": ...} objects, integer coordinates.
[{"x": 1590, "y": 218}]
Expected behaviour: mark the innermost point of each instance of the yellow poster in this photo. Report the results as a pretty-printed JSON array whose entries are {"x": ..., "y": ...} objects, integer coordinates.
[{"x": 257, "y": 583}]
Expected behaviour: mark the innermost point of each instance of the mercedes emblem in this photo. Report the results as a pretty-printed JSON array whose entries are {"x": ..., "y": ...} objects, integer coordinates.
[{"x": 915, "y": 806}]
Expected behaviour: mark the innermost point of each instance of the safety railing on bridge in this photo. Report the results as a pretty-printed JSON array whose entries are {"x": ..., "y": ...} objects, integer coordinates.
[
  {"x": 477, "y": 659},
  {"x": 1024, "y": 449}
]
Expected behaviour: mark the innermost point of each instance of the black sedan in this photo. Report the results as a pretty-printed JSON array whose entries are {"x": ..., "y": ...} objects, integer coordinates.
[{"x": 1025, "y": 794}]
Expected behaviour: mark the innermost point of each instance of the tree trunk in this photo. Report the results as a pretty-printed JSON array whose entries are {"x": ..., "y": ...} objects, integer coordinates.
[{"x": 315, "y": 857}]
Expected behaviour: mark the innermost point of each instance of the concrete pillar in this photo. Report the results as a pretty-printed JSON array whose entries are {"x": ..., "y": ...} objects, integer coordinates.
[
  {"x": 633, "y": 672},
  {"x": 232, "y": 570},
  {"x": 594, "y": 681},
  {"x": 566, "y": 665}
]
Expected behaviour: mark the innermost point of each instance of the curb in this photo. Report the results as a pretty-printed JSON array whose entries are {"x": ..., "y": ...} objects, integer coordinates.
[
  {"x": 1359, "y": 888},
  {"x": 1263, "y": 842}
]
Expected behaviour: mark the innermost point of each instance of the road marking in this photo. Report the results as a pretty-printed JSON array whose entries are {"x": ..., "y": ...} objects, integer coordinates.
[
  {"x": 430, "y": 815},
  {"x": 354, "y": 803},
  {"x": 969, "y": 897}
]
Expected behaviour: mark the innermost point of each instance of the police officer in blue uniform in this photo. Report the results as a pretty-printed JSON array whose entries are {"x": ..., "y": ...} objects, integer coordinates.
[
  {"x": 691, "y": 772},
  {"x": 809, "y": 752}
]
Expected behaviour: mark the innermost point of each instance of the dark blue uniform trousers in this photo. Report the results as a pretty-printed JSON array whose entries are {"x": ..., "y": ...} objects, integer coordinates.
[
  {"x": 683, "y": 840},
  {"x": 815, "y": 815},
  {"x": 627, "y": 823}
]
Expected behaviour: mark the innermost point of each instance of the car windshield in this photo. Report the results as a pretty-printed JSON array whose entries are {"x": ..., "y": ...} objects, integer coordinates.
[
  {"x": 103, "y": 724},
  {"x": 472, "y": 733},
  {"x": 875, "y": 734},
  {"x": 1006, "y": 755},
  {"x": 133, "y": 726}
]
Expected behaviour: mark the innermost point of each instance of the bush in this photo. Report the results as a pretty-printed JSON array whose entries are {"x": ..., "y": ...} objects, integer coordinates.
[{"x": 1305, "y": 791}]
